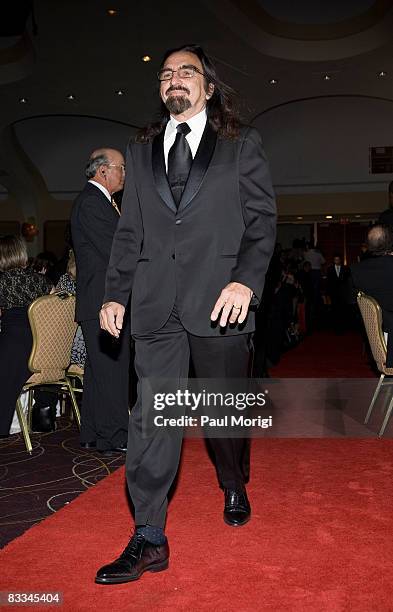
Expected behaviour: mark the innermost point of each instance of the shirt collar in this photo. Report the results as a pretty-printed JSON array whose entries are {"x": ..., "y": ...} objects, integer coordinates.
[
  {"x": 196, "y": 124},
  {"x": 101, "y": 188}
]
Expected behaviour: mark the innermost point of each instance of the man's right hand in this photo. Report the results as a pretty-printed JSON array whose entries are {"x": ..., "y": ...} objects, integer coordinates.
[{"x": 111, "y": 318}]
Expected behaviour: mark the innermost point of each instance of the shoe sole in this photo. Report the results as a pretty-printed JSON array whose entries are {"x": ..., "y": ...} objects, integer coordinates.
[
  {"x": 158, "y": 567},
  {"x": 237, "y": 524}
]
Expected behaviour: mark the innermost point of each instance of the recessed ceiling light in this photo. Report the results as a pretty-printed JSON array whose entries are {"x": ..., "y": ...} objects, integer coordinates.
[
  {"x": 326, "y": 77},
  {"x": 357, "y": 216},
  {"x": 23, "y": 100},
  {"x": 382, "y": 73},
  {"x": 146, "y": 58},
  {"x": 273, "y": 81},
  {"x": 71, "y": 97},
  {"x": 111, "y": 12},
  {"x": 329, "y": 217},
  {"x": 120, "y": 92},
  {"x": 299, "y": 218}
]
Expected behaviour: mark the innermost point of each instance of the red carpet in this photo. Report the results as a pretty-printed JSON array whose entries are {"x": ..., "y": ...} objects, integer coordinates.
[
  {"x": 320, "y": 538},
  {"x": 325, "y": 355}
]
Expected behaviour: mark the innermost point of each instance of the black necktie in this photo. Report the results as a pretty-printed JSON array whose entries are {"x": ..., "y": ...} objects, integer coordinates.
[{"x": 179, "y": 162}]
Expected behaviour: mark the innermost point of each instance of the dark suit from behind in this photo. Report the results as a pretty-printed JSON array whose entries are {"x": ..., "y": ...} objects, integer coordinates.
[
  {"x": 374, "y": 277},
  {"x": 104, "y": 416},
  {"x": 386, "y": 217}
]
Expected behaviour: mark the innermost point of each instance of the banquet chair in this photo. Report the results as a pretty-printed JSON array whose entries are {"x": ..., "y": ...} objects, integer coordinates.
[
  {"x": 372, "y": 319},
  {"x": 75, "y": 374},
  {"x": 53, "y": 328}
]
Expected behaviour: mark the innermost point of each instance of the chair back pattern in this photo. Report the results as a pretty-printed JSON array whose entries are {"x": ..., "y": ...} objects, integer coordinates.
[
  {"x": 53, "y": 327},
  {"x": 372, "y": 318}
]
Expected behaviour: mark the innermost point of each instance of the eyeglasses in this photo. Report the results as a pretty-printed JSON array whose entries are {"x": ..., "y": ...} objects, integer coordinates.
[
  {"x": 184, "y": 72},
  {"x": 122, "y": 166}
]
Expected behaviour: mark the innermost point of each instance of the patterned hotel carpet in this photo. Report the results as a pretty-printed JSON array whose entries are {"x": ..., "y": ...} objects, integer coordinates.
[{"x": 35, "y": 486}]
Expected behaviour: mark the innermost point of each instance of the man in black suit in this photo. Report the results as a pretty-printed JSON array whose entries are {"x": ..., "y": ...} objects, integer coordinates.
[
  {"x": 374, "y": 277},
  {"x": 337, "y": 289},
  {"x": 104, "y": 417},
  {"x": 194, "y": 242}
]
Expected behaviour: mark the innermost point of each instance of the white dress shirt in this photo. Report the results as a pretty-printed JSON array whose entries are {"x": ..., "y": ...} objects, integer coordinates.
[
  {"x": 102, "y": 188},
  {"x": 315, "y": 258},
  {"x": 196, "y": 124},
  {"x": 338, "y": 269}
]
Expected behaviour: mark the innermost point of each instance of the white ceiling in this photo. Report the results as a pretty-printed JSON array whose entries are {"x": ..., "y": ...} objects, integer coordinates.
[{"x": 79, "y": 49}]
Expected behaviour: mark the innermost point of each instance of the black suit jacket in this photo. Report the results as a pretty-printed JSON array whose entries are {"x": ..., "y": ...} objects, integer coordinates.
[
  {"x": 374, "y": 276},
  {"x": 224, "y": 230},
  {"x": 93, "y": 224},
  {"x": 386, "y": 217}
]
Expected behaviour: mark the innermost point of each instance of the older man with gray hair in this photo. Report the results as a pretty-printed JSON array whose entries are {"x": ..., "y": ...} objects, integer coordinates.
[
  {"x": 94, "y": 220},
  {"x": 374, "y": 276}
]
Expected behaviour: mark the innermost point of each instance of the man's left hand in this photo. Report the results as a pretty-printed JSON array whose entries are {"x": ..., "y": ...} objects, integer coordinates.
[{"x": 234, "y": 302}]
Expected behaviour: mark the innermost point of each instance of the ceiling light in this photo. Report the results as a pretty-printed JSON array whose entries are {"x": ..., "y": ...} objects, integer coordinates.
[
  {"x": 326, "y": 77},
  {"x": 273, "y": 81},
  {"x": 357, "y": 216},
  {"x": 112, "y": 12},
  {"x": 299, "y": 218},
  {"x": 23, "y": 100},
  {"x": 146, "y": 58},
  {"x": 71, "y": 97},
  {"x": 120, "y": 92},
  {"x": 382, "y": 73},
  {"x": 329, "y": 217}
]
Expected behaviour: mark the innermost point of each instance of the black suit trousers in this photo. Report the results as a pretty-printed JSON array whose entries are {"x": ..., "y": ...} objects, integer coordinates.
[
  {"x": 104, "y": 415},
  {"x": 153, "y": 459}
]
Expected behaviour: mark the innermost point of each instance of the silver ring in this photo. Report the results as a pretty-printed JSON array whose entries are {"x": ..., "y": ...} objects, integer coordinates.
[{"x": 237, "y": 307}]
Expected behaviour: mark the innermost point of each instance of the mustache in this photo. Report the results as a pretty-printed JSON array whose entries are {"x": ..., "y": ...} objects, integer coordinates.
[{"x": 177, "y": 88}]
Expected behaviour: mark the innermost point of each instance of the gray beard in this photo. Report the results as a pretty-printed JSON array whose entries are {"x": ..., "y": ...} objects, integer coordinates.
[{"x": 177, "y": 104}]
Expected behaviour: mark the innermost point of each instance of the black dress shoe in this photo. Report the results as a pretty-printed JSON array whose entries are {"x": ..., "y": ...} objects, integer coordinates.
[
  {"x": 88, "y": 445},
  {"x": 237, "y": 510},
  {"x": 122, "y": 448},
  {"x": 138, "y": 556},
  {"x": 43, "y": 419}
]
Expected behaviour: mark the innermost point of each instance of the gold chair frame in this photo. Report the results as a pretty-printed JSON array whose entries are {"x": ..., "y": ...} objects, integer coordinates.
[
  {"x": 53, "y": 328},
  {"x": 372, "y": 318},
  {"x": 76, "y": 372}
]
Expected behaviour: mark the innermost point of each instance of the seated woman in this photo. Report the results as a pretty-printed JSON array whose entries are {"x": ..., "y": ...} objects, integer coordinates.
[
  {"x": 67, "y": 283},
  {"x": 19, "y": 287}
]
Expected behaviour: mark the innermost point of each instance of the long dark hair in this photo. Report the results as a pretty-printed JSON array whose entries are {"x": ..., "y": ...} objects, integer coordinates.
[{"x": 221, "y": 108}]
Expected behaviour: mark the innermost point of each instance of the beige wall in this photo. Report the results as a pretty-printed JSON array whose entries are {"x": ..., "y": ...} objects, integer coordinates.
[
  {"x": 10, "y": 211},
  {"x": 50, "y": 209},
  {"x": 332, "y": 203}
]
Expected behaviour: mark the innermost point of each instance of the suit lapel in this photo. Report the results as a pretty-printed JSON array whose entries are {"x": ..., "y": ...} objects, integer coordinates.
[
  {"x": 199, "y": 166},
  {"x": 159, "y": 172}
]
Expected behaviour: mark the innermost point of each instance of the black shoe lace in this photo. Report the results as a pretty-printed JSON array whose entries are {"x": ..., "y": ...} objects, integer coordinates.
[{"x": 131, "y": 549}]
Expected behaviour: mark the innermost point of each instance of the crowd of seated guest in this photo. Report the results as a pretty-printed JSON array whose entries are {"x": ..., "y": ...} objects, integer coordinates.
[
  {"x": 20, "y": 285},
  {"x": 22, "y": 282}
]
